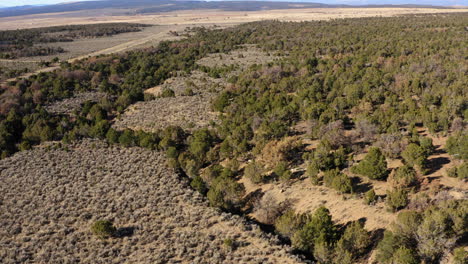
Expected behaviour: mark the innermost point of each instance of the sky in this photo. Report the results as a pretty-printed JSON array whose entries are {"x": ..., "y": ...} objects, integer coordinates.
[{"x": 349, "y": 2}]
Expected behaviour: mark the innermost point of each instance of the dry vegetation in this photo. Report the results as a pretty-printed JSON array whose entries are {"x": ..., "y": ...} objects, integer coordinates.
[
  {"x": 203, "y": 17},
  {"x": 197, "y": 81},
  {"x": 70, "y": 105},
  {"x": 50, "y": 198},
  {"x": 243, "y": 58},
  {"x": 188, "y": 112}
]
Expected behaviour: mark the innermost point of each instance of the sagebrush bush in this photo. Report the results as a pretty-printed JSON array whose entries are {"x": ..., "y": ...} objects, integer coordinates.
[{"x": 103, "y": 229}]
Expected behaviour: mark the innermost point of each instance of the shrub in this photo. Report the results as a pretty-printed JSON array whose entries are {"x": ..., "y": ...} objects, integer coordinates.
[
  {"x": 404, "y": 255},
  {"x": 198, "y": 184},
  {"x": 112, "y": 136},
  {"x": 289, "y": 222},
  {"x": 355, "y": 238},
  {"x": 373, "y": 166},
  {"x": 370, "y": 197},
  {"x": 225, "y": 193},
  {"x": 415, "y": 156},
  {"x": 282, "y": 171},
  {"x": 460, "y": 172},
  {"x": 318, "y": 229},
  {"x": 127, "y": 138},
  {"x": 460, "y": 256},
  {"x": 387, "y": 247},
  {"x": 338, "y": 181},
  {"x": 103, "y": 229},
  {"x": 167, "y": 93},
  {"x": 200, "y": 143},
  {"x": 404, "y": 176},
  {"x": 426, "y": 145},
  {"x": 342, "y": 255},
  {"x": 397, "y": 199},
  {"x": 229, "y": 244},
  {"x": 457, "y": 146},
  {"x": 254, "y": 172},
  {"x": 267, "y": 209}
]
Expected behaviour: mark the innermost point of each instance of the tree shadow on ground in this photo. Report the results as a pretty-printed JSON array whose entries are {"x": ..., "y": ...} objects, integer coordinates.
[
  {"x": 360, "y": 186},
  {"x": 251, "y": 199},
  {"x": 436, "y": 164},
  {"x": 125, "y": 231}
]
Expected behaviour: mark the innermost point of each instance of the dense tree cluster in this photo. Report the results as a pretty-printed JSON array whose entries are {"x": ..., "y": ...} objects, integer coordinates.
[
  {"x": 317, "y": 235},
  {"x": 358, "y": 84},
  {"x": 24, "y": 42},
  {"x": 424, "y": 236}
]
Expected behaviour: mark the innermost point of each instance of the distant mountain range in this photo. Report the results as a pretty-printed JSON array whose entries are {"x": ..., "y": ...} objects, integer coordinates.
[{"x": 157, "y": 6}]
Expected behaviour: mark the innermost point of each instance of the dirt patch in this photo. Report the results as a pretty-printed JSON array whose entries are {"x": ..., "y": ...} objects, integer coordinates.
[
  {"x": 50, "y": 198},
  {"x": 188, "y": 112},
  {"x": 306, "y": 197}
]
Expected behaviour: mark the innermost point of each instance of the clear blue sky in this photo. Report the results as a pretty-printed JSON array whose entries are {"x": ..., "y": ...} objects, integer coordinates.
[{"x": 351, "y": 2}]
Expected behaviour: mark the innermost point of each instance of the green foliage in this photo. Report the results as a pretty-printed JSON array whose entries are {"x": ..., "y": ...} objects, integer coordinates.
[
  {"x": 426, "y": 145},
  {"x": 414, "y": 155},
  {"x": 198, "y": 184},
  {"x": 460, "y": 256},
  {"x": 370, "y": 197},
  {"x": 200, "y": 143},
  {"x": 229, "y": 244},
  {"x": 404, "y": 176},
  {"x": 167, "y": 93},
  {"x": 424, "y": 237},
  {"x": 397, "y": 199},
  {"x": 404, "y": 255},
  {"x": 312, "y": 172},
  {"x": 457, "y": 146},
  {"x": 221, "y": 101},
  {"x": 103, "y": 229},
  {"x": 225, "y": 193},
  {"x": 254, "y": 172},
  {"x": 338, "y": 181},
  {"x": 318, "y": 229},
  {"x": 373, "y": 166},
  {"x": 282, "y": 171},
  {"x": 355, "y": 239},
  {"x": 460, "y": 172},
  {"x": 289, "y": 223},
  {"x": 127, "y": 138},
  {"x": 387, "y": 247},
  {"x": 100, "y": 129}
]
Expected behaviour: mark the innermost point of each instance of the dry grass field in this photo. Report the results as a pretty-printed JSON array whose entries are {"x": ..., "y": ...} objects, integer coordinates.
[
  {"x": 54, "y": 196},
  {"x": 188, "y": 112},
  {"x": 202, "y": 17},
  {"x": 199, "y": 82}
]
